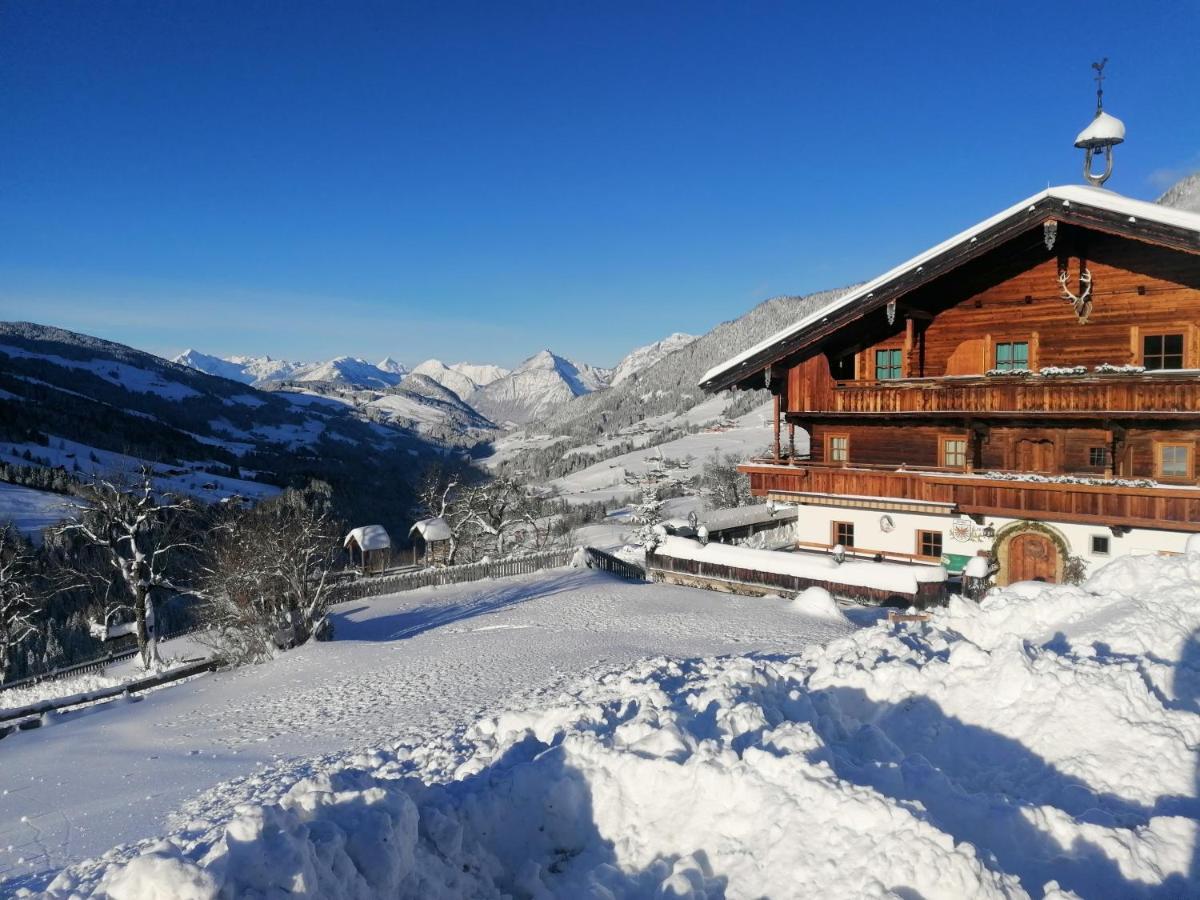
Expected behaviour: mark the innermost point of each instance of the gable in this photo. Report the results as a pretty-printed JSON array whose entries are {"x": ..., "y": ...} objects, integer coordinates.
[{"x": 998, "y": 242}]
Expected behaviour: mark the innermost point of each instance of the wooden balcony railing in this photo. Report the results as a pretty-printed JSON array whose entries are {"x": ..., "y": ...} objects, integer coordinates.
[
  {"x": 1176, "y": 508},
  {"x": 1069, "y": 396}
]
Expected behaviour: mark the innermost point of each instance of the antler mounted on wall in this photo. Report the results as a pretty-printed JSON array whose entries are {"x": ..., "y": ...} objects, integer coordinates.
[{"x": 1082, "y": 302}]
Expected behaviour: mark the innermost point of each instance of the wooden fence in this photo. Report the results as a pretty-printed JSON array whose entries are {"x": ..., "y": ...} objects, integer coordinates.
[
  {"x": 598, "y": 559},
  {"x": 94, "y": 664},
  {"x": 26, "y": 717},
  {"x": 755, "y": 582}
]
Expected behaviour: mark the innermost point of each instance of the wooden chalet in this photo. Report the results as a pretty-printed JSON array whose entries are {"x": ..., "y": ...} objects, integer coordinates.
[{"x": 1028, "y": 389}]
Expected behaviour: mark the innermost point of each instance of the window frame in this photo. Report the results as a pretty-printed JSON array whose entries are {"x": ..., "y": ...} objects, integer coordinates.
[
  {"x": 1104, "y": 453},
  {"x": 834, "y": 537},
  {"x": 830, "y": 437},
  {"x": 922, "y": 534},
  {"x": 895, "y": 363},
  {"x": 1008, "y": 365},
  {"x": 1162, "y": 354},
  {"x": 943, "y": 440},
  {"x": 1188, "y": 448},
  {"x": 1107, "y": 551}
]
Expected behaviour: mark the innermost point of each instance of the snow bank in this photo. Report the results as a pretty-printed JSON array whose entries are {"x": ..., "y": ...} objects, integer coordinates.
[
  {"x": 1037, "y": 744},
  {"x": 818, "y": 602}
]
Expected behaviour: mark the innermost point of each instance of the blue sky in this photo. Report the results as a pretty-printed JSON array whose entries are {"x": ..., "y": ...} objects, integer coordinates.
[{"x": 479, "y": 181}]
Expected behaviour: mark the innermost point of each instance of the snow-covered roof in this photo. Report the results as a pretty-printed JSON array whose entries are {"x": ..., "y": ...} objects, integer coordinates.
[
  {"x": 898, "y": 577},
  {"x": 741, "y": 516},
  {"x": 1067, "y": 195},
  {"x": 432, "y": 529},
  {"x": 368, "y": 537}
]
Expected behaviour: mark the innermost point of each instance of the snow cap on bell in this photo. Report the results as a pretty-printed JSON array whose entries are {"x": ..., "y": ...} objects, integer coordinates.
[{"x": 1103, "y": 131}]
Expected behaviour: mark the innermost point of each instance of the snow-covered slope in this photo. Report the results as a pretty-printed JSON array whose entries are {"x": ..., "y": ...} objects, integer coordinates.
[
  {"x": 645, "y": 357},
  {"x": 1184, "y": 194},
  {"x": 430, "y": 408},
  {"x": 95, "y": 406},
  {"x": 480, "y": 374},
  {"x": 538, "y": 386},
  {"x": 346, "y": 371},
  {"x": 1038, "y": 744},
  {"x": 462, "y": 385}
]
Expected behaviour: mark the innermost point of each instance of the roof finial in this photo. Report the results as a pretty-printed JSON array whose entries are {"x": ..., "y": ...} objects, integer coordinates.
[
  {"x": 1099, "y": 67},
  {"x": 1104, "y": 133}
]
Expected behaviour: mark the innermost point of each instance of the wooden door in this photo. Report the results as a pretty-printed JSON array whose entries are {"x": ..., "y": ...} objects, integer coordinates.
[
  {"x": 1032, "y": 557},
  {"x": 1035, "y": 456}
]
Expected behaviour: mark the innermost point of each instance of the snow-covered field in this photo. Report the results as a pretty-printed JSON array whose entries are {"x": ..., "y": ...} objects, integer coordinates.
[
  {"x": 1042, "y": 743},
  {"x": 412, "y": 667},
  {"x": 605, "y": 480},
  {"x": 31, "y": 512}
]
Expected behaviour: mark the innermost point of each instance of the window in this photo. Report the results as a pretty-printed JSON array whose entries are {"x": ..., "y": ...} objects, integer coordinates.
[
  {"x": 1100, "y": 545},
  {"x": 887, "y": 365},
  {"x": 837, "y": 448},
  {"x": 1175, "y": 460},
  {"x": 929, "y": 543},
  {"x": 1098, "y": 457},
  {"x": 843, "y": 533},
  {"x": 1162, "y": 351},
  {"x": 1012, "y": 356},
  {"x": 954, "y": 452}
]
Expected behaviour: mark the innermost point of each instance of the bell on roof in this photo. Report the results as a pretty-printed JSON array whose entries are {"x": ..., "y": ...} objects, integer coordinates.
[{"x": 1103, "y": 133}]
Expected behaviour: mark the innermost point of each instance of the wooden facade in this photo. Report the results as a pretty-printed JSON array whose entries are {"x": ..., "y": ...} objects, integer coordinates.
[{"x": 944, "y": 386}]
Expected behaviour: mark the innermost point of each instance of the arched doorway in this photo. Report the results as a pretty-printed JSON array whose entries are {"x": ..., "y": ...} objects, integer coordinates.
[{"x": 1032, "y": 556}]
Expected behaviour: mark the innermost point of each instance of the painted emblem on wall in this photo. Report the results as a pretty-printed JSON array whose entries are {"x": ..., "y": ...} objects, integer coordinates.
[
  {"x": 961, "y": 530},
  {"x": 886, "y": 524}
]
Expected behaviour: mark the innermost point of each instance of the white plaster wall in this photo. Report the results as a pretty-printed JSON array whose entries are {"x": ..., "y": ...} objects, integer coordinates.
[{"x": 814, "y": 525}]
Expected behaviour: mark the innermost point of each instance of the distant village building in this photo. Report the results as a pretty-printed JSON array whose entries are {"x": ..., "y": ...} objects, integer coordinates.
[
  {"x": 373, "y": 547},
  {"x": 1027, "y": 390},
  {"x": 431, "y": 541}
]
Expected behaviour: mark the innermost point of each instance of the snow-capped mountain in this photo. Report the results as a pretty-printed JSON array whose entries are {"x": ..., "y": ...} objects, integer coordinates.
[
  {"x": 348, "y": 371},
  {"x": 430, "y": 408},
  {"x": 435, "y": 370},
  {"x": 537, "y": 387},
  {"x": 345, "y": 371},
  {"x": 482, "y": 375},
  {"x": 1184, "y": 194},
  {"x": 246, "y": 369},
  {"x": 645, "y": 357},
  {"x": 391, "y": 367}
]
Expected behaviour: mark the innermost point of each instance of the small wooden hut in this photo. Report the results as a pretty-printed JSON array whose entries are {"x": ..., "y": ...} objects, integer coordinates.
[
  {"x": 431, "y": 541},
  {"x": 373, "y": 546}
]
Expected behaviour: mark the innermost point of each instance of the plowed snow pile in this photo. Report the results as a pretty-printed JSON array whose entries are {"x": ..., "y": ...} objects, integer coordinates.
[{"x": 1041, "y": 743}]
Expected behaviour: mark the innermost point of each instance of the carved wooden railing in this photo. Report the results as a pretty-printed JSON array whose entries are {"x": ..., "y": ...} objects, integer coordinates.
[
  {"x": 1110, "y": 396},
  {"x": 1106, "y": 504}
]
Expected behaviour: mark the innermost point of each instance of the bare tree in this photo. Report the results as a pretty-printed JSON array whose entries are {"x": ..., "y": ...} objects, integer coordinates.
[
  {"x": 722, "y": 484},
  {"x": 439, "y": 497},
  {"x": 266, "y": 580},
  {"x": 136, "y": 533},
  {"x": 492, "y": 509},
  {"x": 19, "y": 599}
]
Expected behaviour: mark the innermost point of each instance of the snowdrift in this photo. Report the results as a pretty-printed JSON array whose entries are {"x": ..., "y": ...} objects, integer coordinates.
[{"x": 1041, "y": 743}]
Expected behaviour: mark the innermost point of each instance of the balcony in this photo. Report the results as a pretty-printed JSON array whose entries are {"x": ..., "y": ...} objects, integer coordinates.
[
  {"x": 947, "y": 492},
  {"x": 1113, "y": 397}
]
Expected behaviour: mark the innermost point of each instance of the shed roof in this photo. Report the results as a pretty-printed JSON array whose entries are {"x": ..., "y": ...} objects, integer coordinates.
[
  {"x": 436, "y": 529},
  {"x": 741, "y": 516},
  {"x": 368, "y": 537},
  {"x": 1087, "y": 205}
]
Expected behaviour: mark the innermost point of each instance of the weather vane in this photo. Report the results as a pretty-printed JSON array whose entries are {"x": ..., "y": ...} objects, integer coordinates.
[
  {"x": 1099, "y": 67},
  {"x": 1104, "y": 133}
]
